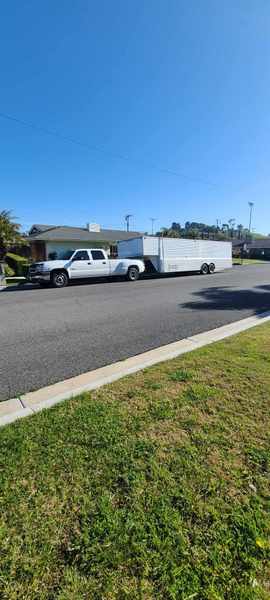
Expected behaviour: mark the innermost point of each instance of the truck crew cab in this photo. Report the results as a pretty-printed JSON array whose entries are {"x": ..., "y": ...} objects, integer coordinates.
[{"x": 83, "y": 264}]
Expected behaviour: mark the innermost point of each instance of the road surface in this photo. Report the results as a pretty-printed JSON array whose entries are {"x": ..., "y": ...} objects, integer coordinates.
[{"x": 47, "y": 335}]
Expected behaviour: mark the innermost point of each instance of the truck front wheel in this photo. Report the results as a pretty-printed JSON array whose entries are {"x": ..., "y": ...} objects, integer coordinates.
[
  {"x": 133, "y": 274},
  {"x": 59, "y": 279}
]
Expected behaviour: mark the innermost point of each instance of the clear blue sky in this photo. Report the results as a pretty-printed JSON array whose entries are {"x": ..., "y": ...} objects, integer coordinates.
[{"x": 180, "y": 84}]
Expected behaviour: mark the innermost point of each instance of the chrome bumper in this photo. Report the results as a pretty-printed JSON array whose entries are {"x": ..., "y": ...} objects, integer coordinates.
[{"x": 39, "y": 276}]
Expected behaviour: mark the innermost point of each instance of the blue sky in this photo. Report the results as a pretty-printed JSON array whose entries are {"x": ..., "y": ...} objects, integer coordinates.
[{"x": 172, "y": 85}]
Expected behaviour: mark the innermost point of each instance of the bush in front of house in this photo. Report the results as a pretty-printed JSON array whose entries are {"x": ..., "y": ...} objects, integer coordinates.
[
  {"x": 19, "y": 264},
  {"x": 9, "y": 272}
]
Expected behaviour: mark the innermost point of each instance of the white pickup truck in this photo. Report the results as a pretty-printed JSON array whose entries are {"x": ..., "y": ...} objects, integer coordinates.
[{"x": 82, "y": 264}]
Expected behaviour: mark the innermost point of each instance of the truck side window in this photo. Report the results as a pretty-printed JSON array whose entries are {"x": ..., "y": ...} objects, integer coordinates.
[
  {"x": 81, "y": 255},
  {"x": 97, "y": 255}
]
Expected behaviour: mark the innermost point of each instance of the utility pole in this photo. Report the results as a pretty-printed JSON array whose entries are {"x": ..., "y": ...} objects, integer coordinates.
[
  {"x": 251, "y": 205},
  {"x": 152, "y": 219},
  {"x": 127, "y": 219}
]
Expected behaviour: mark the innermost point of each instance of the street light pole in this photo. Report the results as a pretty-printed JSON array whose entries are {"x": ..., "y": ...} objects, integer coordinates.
[
  {"x": 153, "y": 219},
  {"x": 251, "y": 205},
  {"x": 127, "y": 219}
]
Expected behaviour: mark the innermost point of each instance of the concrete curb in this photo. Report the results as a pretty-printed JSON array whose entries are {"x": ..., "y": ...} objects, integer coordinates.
[{"x": 32, "y": 402}]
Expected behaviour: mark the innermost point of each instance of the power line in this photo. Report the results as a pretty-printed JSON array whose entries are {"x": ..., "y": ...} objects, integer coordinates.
[{"x": 94, "y": 148}]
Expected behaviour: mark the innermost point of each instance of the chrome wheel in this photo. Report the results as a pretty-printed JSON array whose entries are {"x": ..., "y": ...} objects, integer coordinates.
[
  {"x": 133, "y": 274},
  {"x": 59, "y": 279}
]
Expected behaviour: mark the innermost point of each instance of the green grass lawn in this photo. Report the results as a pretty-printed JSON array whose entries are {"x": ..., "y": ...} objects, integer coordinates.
[
  {"x": 155, "y": 487},
  {"x": 249, "y": 261}
]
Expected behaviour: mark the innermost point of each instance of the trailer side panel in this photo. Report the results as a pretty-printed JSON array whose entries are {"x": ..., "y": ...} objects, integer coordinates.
[{"x": 173, "y": 255}]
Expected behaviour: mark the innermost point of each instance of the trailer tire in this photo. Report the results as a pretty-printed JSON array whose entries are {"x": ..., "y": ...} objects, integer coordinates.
[
  {"x": 133, "y": 274},
  {"x": 204, "y": 269},
  {"x": 212, "y": 268},
  {"x": 59, "y": 279}
]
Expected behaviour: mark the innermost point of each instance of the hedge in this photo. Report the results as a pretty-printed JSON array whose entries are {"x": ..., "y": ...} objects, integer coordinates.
[{"x": 19, "y": 264}]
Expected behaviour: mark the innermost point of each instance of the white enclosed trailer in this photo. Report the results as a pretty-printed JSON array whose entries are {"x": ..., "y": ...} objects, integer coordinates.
[{"x": 172, "y": 255}]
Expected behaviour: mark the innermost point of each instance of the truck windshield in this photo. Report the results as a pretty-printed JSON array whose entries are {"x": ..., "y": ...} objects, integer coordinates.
[{"x": 65, "y": 255}]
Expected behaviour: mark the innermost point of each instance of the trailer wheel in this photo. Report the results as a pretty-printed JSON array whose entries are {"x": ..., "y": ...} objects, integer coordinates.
[
  {"x": 204, "y": 269},
  {"x": 212, "y": 267},
  {"x": 133, "y": 274},
  {"x": 59, "y": 279}
]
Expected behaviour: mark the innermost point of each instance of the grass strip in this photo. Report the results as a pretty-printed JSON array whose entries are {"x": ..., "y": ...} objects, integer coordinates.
[{"x": 154, "y": 487}]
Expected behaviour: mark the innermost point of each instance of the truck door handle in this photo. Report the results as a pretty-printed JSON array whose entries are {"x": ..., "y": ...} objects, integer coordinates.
[
  {"x": 104, "y": 262},
  {"x": 89, "y": 263}
]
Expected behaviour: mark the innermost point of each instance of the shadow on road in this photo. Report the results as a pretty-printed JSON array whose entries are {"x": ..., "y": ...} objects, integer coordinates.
[
  {"x": 229, "y": 298},
  {"x": 25, "y": 287}
]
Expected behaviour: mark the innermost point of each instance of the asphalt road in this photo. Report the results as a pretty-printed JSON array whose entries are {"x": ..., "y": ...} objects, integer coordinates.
[{"x": 47, "y": 335}]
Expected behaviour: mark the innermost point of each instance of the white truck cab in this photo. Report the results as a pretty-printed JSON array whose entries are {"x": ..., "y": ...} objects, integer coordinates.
[{"x": 82, "y": 264}]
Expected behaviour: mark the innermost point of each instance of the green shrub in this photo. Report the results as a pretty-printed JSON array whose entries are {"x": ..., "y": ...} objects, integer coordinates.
[
  {"x": 9, "y": 272},
  {"x": 19, "y": 264}
]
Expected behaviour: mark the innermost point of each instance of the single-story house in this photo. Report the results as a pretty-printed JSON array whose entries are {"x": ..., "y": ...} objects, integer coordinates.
[
  {"x": 259, "y": 249},
  {"x": 48, "y": 241}
]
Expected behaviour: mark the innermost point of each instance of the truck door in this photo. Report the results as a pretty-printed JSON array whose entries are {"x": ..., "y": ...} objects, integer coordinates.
[
  {"x": 81, "y": 264},
  {"x": 100, "y": 264}
]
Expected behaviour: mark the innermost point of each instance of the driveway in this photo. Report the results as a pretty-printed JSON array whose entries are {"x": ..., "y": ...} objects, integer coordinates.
[{"x": 47, "y": 335}]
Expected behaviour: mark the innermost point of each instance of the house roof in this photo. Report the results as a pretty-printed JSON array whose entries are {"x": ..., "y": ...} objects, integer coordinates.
[
  {"x": 37, "y": 228},
  {"x": 236, "y": 243},
  {"x": 260, "y": 244},
  {"x": 79, "y": 234}
]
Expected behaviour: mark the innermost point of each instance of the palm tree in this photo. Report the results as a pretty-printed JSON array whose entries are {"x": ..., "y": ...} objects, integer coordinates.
[
  {"x": 240, "y": 229},
  {"x": 9, "y": 233},
  {"x": 225, "y": 229},
  {"x": 231, "y": 226}
]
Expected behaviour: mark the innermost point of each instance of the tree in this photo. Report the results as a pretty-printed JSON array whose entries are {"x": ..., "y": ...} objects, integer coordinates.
[
  {"x": 197, "y": 230},
  {"x": 173, "y": 233},
  {"x": 9, "y": 233},
  {"x": 231, "y": 227},
  {"x": 163, "y": 232},
  {"x": 176, "y": 227},
  {"x": 240, "y": 229},
  {"x": 225, "y": 229}
]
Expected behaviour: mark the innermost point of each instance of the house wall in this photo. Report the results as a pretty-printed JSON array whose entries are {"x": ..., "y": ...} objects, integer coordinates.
[
  {"x": 38, "y": 251},
  {"x": 259, "y": 253},
  {"x": 58, "y": 247}
]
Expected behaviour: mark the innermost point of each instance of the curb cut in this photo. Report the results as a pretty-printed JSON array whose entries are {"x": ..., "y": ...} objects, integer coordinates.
[{"x": 33, "y": 402}]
